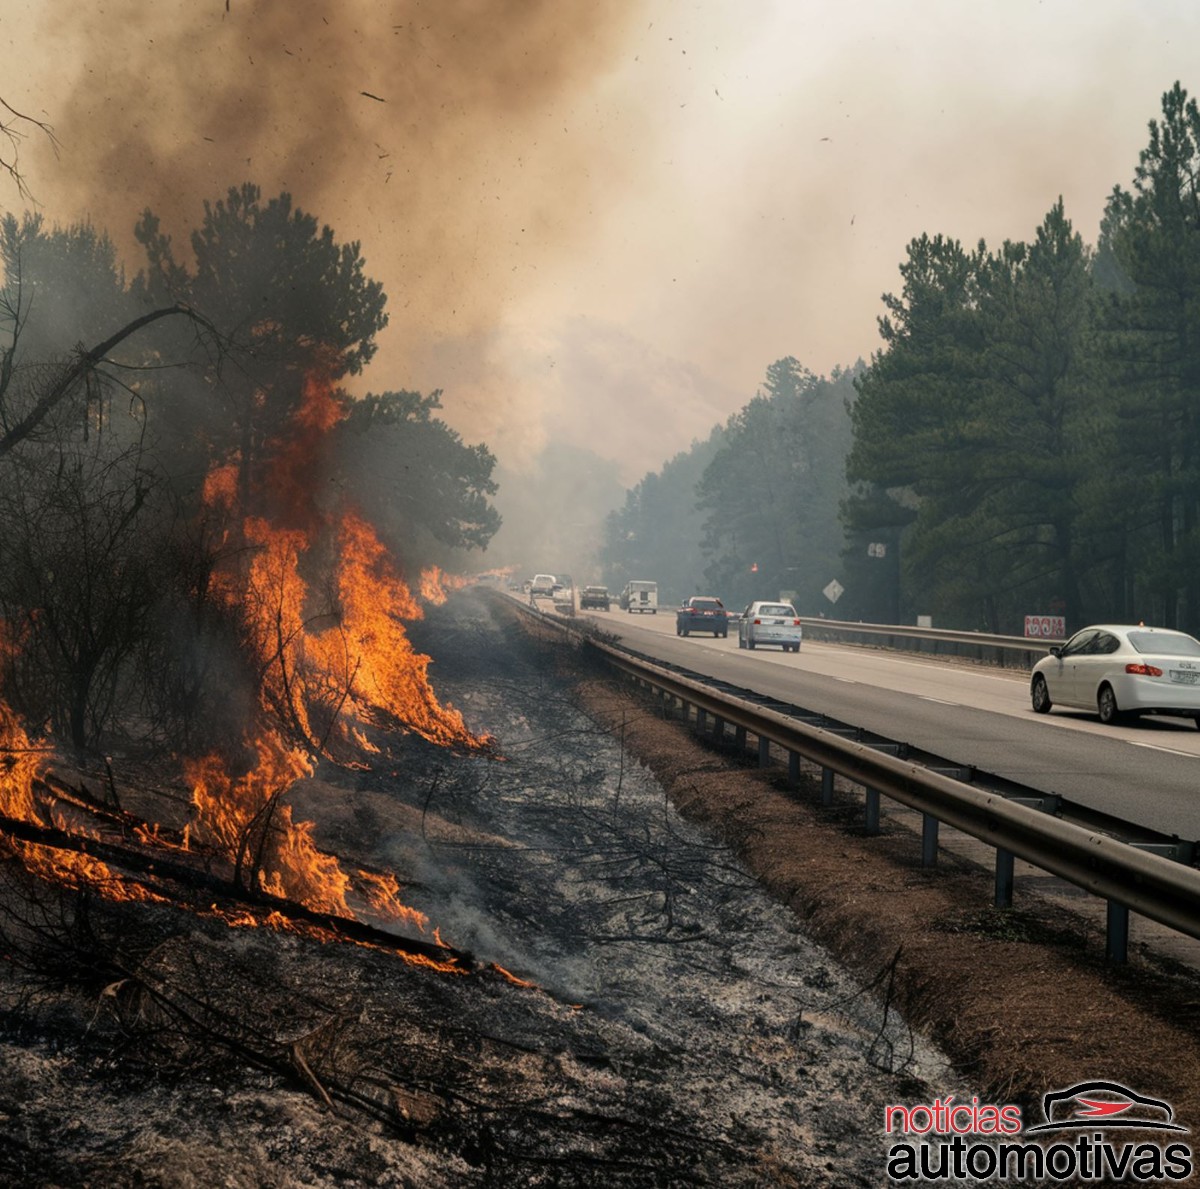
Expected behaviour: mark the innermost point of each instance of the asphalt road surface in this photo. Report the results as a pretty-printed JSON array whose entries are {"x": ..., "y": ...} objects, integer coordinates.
[{"x": 1147, "y": 771}]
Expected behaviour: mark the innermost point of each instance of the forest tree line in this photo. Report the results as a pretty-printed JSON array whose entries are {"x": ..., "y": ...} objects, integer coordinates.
[
  {"x": 123, "y": 401},
  {"x": 1025, "y": 440}
]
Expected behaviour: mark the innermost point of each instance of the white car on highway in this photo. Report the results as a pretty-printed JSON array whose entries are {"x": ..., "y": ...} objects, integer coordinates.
[
  {"x": 1120, "y": 671},
  {"x": 770, "y": 623}
]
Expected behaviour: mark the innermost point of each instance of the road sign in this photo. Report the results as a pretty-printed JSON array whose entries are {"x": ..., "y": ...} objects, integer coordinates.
[
  {"x": 1045, "y": 627},
  {"x": 834, "y": 591}
]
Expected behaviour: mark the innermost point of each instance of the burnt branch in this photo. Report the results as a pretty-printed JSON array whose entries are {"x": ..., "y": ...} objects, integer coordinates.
[
  {"x": 86, "y": 361},
  {"x": 174, "y": 877}
]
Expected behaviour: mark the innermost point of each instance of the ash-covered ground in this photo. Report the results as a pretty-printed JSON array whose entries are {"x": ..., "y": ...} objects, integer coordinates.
[{"x": 680, "y": 1029}]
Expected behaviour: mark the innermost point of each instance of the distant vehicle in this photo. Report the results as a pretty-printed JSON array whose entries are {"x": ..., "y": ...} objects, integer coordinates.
[
  {"x": 594, "y": 598},
  {"x": 640, "y": 596},
  {"x": 770, "y": 623},
  {"x": 542, "y": 584},
  {"x": 702, "y": 614},
  {"x": 1120, "y": 671}
]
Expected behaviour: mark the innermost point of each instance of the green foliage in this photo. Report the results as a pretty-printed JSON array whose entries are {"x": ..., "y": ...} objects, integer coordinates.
[
  {"x": 1152, "y": 346},
  {"x": 62, "y": 287},
  {"x": 413, "y": 477},
  {"x": 291, "y": 304},
  {"x": 978, "y": 418},
  {"x": 657, "y": 534},
  {"x": 1031, "y": 427},
  {"x": 771, "y": 492},
  {"x": 762, "y": 490}
]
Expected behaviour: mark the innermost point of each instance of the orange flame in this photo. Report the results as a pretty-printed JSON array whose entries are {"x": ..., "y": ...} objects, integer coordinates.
[
  {"x": 245, "y": 819},
  {"x": 315, "y": 676},
  {"x": 436, "y": 585},
  {"x": 20, "y": 765}
]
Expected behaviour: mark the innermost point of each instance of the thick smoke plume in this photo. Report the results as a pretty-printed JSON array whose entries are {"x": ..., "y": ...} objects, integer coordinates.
[{"x": 422, "y": 130}]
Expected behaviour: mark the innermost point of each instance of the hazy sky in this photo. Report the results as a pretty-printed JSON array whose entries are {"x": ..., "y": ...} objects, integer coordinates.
[{"x": 601, "y": 221}]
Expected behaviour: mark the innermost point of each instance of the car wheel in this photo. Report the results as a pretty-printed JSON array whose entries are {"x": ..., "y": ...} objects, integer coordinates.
[
  {"x": 749, "y": 641},
  {"x": 685, "y": 631},
  {"x": 724, "y": 635},
  {"x": 1039, "y": 695},
  {"x": 1106, "y": 704},
  {"x": 678, "y": 630}
]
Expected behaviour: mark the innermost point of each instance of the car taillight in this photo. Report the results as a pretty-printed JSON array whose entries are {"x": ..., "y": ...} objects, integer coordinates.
[
  {"x": 795, "y": 623},
  {"x": 758, "y": 621},
  {"x": 1144, "y": 670}
]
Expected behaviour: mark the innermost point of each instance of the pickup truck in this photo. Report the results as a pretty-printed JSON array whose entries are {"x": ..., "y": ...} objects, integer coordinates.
[{"x": 702, "y": 613}]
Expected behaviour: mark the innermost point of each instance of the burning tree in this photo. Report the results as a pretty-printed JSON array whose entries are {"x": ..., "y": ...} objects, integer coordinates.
[
  {"x": 177, "y": 569},
  {"x": 291, "y": 301}
]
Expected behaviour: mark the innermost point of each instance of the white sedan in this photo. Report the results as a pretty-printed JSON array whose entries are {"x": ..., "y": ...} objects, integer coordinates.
[
  {"x": 769, "y": 623},
  {"x": 1121, "y": 670}
]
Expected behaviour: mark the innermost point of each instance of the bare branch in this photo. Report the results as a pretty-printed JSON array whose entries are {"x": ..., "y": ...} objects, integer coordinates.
[
  {"x": 85, "y": 363},
  {"x": 14, "y": 127}
]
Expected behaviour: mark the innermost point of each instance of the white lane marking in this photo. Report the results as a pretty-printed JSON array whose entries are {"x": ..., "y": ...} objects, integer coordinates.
[
  {"x": 939, "y": 701},
  {"x": 1159, "y": 747}
]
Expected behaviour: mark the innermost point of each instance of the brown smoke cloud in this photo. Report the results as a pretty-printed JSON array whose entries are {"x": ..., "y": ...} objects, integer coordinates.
[
  {"x": 433, "y": 133},
  {"x": 600, "y": 222}
]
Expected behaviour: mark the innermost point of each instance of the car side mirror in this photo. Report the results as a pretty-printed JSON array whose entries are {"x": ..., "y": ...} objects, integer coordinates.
[{"x": 1056, "y": 650}]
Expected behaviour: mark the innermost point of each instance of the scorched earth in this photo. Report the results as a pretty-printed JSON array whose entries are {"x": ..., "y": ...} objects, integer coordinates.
[{"x": 636, "y": 1010}]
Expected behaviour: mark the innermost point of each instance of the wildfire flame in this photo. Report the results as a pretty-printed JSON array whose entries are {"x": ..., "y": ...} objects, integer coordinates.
[
  {"x": 319, "y": 670},
  {"x": 436, "y": 585}
]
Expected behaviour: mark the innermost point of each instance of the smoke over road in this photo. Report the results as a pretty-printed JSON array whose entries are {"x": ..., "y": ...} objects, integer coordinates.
[{"x": 537, "y": 185}]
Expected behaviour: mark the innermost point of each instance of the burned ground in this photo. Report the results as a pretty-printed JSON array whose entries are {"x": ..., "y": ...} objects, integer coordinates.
[{"x": 685, "y": 1023}]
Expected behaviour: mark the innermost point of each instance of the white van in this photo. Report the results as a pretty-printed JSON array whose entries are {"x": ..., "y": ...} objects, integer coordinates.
[
  {"x": 542, "y": 584},
  {"x": 640, "y": 597}
]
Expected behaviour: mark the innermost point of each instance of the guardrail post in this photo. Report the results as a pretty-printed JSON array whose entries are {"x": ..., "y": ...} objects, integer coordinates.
[
  {"x": 793, "y": 768},
  {"x": 1004, "y": 879},
  {"x": 929, "y": 840},
  {"x": 764, "y": 751},
  {"x": 872, "y": 811},
  {"x": 740, "y": 739},
  {"x": 1116, "y": 947},
  {"x": 718, "y": 728},
  {"x": 826, "y": 786},
  {"x": 701, "y": 719}
]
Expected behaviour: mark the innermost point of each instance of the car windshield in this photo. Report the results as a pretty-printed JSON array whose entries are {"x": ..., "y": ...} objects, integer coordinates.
[
  {"x": 707, "y": 604},
  {"x": 1165, "y": 644},
  {"x": 776, "y": 609}
]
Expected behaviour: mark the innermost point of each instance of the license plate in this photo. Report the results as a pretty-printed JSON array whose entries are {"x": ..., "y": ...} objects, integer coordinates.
[{"x": 1184, "y": 677}]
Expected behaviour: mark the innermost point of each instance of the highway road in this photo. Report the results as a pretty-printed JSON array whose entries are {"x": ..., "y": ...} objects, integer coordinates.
[{"x": 1147, "y": 771}]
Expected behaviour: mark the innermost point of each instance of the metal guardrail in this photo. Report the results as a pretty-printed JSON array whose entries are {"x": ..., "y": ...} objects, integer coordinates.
[
  {"x": 1024, "y": 650},
  {"x": 1127, "y": 877}
]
